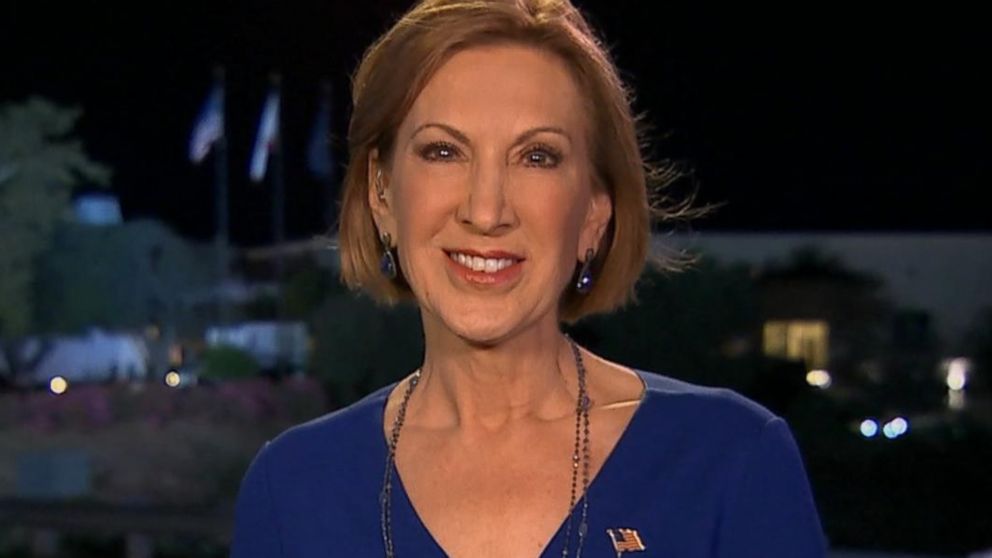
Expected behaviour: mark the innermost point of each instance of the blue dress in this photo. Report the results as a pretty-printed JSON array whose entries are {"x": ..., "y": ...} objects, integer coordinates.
[{"x": 698, "y": 473}]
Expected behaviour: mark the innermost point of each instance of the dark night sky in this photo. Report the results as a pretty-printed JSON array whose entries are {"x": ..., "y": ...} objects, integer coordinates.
[{"x": 824, "y": 117}]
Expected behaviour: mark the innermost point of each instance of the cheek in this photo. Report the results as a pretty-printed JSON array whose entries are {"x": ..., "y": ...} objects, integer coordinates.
[
  {"x": 422, "y": 206},
  {"x": 422, "y": 201},
  {"x": 554, "y": 214}
]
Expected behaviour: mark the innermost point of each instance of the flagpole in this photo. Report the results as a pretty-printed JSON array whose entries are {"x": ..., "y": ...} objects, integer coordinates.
[
  {"x": 221, "y": 199},
  {"x": 279, "y": 218},
  {"x": 330, "y": 215},
  {"x": 278, "y": 186}
]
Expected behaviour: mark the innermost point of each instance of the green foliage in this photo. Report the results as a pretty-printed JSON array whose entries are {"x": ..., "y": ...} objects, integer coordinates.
[
  {"x": 261, "y": 308},
  {"x": 306, "y": 289},
  {"x": 223, "y": 362},
  {"x": 359, "y": 346},
  {"x": 121, "y": 276},
  {"x": 681, "y": 324},
  {"x": 40, "y": 164}
]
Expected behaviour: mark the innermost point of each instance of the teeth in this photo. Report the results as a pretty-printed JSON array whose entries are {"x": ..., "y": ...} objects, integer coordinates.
[{"x": 486, "y": 265}]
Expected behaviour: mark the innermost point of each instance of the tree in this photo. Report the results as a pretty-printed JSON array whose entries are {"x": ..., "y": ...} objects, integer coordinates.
[
  {"x": 359, "y": 346},
  {"x": 120, "y": 276},
  {"x": 306, "y": 289},
  {"x": 40, "y": 164},
  {"x": 684, "y": 324}
]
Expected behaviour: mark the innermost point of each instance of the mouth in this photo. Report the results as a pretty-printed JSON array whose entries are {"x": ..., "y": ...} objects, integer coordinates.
[{"x": 485, "y": 267}]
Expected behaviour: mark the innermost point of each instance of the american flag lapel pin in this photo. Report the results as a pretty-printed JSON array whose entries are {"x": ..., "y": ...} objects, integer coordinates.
[{"x": 626, "y": 540}]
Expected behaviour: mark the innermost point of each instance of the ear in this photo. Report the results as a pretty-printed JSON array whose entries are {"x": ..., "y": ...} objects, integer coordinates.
[
  {"x": 597, "y": 219},
  {"x": 380, "y": 196}
]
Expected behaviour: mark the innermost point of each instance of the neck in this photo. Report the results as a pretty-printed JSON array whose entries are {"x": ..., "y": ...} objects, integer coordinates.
[{"x": 485, "y": 388}]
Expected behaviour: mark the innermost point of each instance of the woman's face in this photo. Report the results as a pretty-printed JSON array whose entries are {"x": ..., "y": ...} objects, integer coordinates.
[{"x": 488, "y": 193}]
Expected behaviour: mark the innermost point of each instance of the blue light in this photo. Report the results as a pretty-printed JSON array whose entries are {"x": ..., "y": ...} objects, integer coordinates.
[
  {"x": 889, "y": 431},
  {"x": 899, "y": 426},
  {"x": 869, "y": 428}
]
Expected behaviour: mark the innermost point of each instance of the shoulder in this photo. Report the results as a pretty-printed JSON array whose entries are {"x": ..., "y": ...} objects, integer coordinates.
[
  {"x": 353, "y": 431},
  {"x": 719, "y": 412},
  {"x": 283, "y": 502},
  {"x": 765, "y": 504},
  {"x": 749, "y": 452}
]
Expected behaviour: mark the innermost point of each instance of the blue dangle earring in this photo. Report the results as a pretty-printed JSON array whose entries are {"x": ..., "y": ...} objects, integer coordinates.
[
  {"x": 584, "y": 283},
  {"x": 387, "y": 264}
]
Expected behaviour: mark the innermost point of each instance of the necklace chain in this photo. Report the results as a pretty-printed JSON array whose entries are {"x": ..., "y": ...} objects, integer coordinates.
[
  {"x": 581, "y": 426},
  {"x": 580, "y": 460}
]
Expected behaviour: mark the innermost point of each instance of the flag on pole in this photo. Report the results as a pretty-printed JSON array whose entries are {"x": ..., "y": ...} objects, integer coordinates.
[
  {"x": 209, "y": 126},
  {"x": 319, "y": 160},
  {"x": 265, "y": 141}
]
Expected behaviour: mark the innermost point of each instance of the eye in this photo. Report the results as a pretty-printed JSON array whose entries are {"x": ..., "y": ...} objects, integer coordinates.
[
  {"x": 542, "y": 156},
  {"x": 439, "y": 151}
]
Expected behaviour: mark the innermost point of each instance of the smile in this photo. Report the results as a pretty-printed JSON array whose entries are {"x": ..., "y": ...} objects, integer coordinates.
[{"x": 481, "y": 264}]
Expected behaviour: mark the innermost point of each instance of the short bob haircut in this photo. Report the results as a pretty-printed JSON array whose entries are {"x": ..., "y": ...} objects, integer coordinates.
[{"x": 399, "y": 64}]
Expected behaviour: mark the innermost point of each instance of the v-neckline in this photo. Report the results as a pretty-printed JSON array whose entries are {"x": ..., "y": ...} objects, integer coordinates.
[{"x": 620, "y": 444}]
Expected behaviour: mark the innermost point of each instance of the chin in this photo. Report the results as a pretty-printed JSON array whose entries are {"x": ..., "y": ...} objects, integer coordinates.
[
  {"x": 486, "y": 320},
  {"x": 480, "y": 330},
  {"x": 484, "y": 325}
]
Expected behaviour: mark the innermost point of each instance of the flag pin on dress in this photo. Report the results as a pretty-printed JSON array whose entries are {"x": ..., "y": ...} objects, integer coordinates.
[{"x": 626, "y": 540}]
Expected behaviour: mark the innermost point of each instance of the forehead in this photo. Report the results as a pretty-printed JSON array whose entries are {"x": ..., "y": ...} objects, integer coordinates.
[{"x": 501, "y": 88}]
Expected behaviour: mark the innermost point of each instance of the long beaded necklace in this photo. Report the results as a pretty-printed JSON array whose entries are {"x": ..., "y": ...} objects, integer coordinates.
[{"x": 580, "y": 459}]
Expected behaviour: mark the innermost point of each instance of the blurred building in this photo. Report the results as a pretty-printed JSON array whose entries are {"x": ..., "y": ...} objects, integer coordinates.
[
  {"x": 941, "y": 278},
  {"x": 881, "y": 309}
]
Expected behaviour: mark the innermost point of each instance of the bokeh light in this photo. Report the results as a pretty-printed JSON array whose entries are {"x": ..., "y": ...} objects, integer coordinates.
[
  {"x": 869, "y": 428},
  {"x": 819, "y": 378},
  {"x": 957, "y": 373},
  {"x": 58, "y": 385},
  {"x": 173, "y": 379},
  {"x": 899, "y": 426}
]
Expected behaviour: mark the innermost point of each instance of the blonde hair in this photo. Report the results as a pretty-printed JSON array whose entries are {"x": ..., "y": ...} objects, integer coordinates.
[{"x": 399, "y": 64}]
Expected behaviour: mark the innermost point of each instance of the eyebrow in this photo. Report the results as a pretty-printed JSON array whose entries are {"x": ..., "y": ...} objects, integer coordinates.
[{"x": 460, "y": 136}]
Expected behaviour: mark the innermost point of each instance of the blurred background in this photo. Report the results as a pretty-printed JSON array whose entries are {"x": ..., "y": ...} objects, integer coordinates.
[{"x": 168, "y": 299}]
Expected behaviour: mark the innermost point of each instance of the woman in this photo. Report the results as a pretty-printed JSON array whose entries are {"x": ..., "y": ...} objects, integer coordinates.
[{"x": 495, "y": 179}]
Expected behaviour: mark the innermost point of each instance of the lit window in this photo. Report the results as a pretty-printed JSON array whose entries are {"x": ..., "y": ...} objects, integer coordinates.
[{"x": 805, "y": 340}]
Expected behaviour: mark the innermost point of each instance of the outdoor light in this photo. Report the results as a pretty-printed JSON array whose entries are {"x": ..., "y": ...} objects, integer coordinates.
[
  {"x": 957, "y": 373},
  {"x": 899, "y": 426},
  {"x": 819, "y": 378},
  {"x": 869, "y": 428},
  {"x": 173, "y": 379},
  {"x": 895, "y": 428},
  {"x": 58, "y": 385},
  {"x": 889, "y": 432}
]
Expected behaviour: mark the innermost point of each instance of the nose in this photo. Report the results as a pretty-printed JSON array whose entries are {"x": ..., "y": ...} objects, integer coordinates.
[{"x": 485, "y": 208}]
